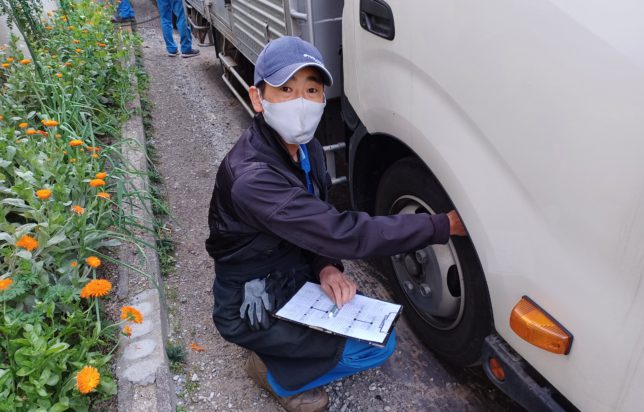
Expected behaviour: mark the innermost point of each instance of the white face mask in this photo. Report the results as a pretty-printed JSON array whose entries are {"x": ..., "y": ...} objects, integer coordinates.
[{"x": 294, "y": 120}]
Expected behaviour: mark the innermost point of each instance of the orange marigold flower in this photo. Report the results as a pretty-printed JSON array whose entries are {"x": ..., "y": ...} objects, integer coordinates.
[
  {"x": 93, "y": 262},
  {"x": 48, "y": 28},
  {"x": 5, "y": 283},
  {"x": 58, "y": 135},
  {"x": 85, "y": 31},
  {"x": 50, "y": 123},
  {"x": 75, "y": 142},
  {"x": 104, "y": 195},
  {"x": 101, "y": 175},
  {"x": 78, "y": 50},
  {"x": 6, "y": 65},
  {"x": 72, "y": 160},
  {"x": 127, "y": 330},
  {"x": 93, "y": 148},
  {"x": 31, "y": 132},
  {"x": 68, "y": 64},
  {"x": 1, "y": 117},
  {"x": 96, "y": 288},
  {"x": 42, "y": 133},
  {"x": 94, "y": 156},
  {"x": 25, "y": 61},
  {"x": 78, "y": 210},
  {"x": 97, "y": 182},
  {"x": 59, "y": 75},
  {"x": 76, "y": 41},
  {"x": 101, "y": 44},
  {"x": 10, "y": 59},
  {"x": 131, "y": 313},
  {"x": 43, "y": 194},
  {"x": 27, "y": 242},
  {"x": 23, "y": 125},
  {"x": 87, "y": 379},
  {"x": 73, "y": 264}
]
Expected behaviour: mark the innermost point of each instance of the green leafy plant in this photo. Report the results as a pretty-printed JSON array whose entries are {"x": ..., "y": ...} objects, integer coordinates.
[{"x": 65, "y": 196}]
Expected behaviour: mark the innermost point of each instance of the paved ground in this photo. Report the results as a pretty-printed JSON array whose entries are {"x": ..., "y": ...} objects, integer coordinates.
[{"x": 196, "y": 121}]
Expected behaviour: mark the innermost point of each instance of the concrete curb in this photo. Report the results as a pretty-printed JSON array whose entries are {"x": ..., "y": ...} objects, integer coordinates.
[{"x": 142, "y": 368}]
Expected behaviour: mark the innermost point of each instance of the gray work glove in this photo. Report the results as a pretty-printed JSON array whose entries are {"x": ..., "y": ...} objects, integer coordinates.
[{"x": 256, "y": 304}]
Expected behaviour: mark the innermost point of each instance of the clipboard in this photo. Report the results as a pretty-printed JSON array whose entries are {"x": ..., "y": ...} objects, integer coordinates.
[{"x": 363, "y": 318}]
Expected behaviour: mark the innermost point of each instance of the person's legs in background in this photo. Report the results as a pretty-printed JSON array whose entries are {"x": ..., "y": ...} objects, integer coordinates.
[
  {"x": 183, "y": 29},
  {"x": 124, "y": 10},
  {"x": 165, "y": 12}
]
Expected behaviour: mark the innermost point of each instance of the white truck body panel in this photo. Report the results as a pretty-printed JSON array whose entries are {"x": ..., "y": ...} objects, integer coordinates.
[{"x": 531, "y": 114}]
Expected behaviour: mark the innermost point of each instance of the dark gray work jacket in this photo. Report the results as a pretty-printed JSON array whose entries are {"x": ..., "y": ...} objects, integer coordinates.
[{"x": 262, "y": 219}]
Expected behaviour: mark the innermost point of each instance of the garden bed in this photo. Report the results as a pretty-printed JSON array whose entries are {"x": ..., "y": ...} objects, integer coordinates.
[{"x": 64, "y": 192}]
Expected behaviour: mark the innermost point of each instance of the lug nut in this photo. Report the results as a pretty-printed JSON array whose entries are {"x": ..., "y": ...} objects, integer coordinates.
[
  {"x": 409, "y": 286},
  {"x": 425, "y": 290},
  {"x": 421, "y": 256},
  {"x": 397, "y": 257}
]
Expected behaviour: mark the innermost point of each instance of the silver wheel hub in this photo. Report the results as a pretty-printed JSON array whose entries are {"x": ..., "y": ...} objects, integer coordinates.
[{"x": 430, "y": 277}]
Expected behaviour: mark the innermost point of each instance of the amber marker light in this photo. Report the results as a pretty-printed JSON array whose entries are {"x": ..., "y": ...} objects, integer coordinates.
[
  {"x": 497, "y": 369},
  {"x": 536, "y": 326}
]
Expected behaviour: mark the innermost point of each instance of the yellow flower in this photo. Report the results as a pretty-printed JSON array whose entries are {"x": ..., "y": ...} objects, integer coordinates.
[
  {"x": 25, "y": 61},
  {"x": 43, "y": 194},
  {"x": 101, "y": 175},
  {"x": 27, "y": 242},
  {"x": 5, "y": 283},
  {"x": 23, "y": 125},
  {"x": 6, "y": 65},
  {"x": 58, "y": 135},
  {"x": 76, "y": 41},
  {"x": 1, "y": 117},
  {"x": 31, "y": 132},
  {"x": 96, "y": 288},
  {"x": 78, "y": 50},
  {"x": 48, "y": 28},
  {"x": 75, "y": 142},
  {"x": 93, "y": 262},
  {"x": 104, "y": 195},
  {"x": 72, "y": 160},
  {"x": 127, "y": 330},
  {"x": 87, "y": 379},
  {"x": 97, "y": 182},
  {"x": 78, "y": 210},
  {"x": 131, "y": 313},
  {"x": 59, "y": 75},
  {"x": 10, "y": 59},
  {"x": 94, "y": 156}
]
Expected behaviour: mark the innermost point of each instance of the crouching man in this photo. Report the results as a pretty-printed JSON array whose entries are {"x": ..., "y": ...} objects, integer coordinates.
[{"x": 271, "y": 230}]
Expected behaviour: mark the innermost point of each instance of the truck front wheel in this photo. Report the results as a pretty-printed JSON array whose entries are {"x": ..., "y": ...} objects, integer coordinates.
[{"x": 442, "y": 287}]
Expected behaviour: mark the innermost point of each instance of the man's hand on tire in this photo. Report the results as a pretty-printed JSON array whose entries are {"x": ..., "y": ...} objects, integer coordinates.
[{"x": 456, "y": 226}]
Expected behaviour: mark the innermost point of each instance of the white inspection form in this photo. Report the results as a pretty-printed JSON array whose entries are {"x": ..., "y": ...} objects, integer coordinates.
[{"x": 362, "y": 318}]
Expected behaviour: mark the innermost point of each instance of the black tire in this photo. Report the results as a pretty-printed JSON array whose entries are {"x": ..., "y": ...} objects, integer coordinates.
[{"x": 448, "y": 309}]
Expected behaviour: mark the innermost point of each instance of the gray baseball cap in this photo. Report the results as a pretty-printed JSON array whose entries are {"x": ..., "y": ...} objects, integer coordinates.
[{"x": 281, "y": 58}]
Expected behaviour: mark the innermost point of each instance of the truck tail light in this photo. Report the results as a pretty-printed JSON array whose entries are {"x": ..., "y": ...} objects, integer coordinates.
[{"x": 536, "y": 326}]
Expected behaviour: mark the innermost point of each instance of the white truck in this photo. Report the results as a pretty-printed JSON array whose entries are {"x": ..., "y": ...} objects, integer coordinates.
[{"x": 528, "y": 118}]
